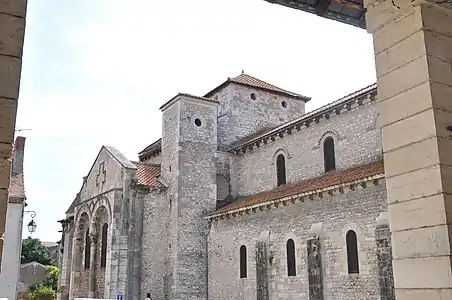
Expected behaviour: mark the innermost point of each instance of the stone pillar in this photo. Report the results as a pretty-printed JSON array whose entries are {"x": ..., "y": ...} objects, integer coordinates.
[
  {"x": 413, "y": 54},
  {"x": 92, "y": 265},
  {"x": 262, "y": 266},
  {"x": 384, "y": 258},
  {"x": 12, "y": 29},
  {"x": 315, "y": 274}
]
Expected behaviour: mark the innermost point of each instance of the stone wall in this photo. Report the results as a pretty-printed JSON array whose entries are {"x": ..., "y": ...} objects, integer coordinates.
[
  {"x": 355, "y": 210},
  {"x": 154, "y": 270},
  {"x": 190, "y": 141},
  {"x": 12, "y": 31},
  {"x": 250, "y": 116},
  {"x": 356, "y": 137},
  {"x": 239, "y": 115}
]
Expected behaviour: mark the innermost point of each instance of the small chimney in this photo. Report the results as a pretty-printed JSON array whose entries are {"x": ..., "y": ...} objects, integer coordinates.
[{"x": 18, "y": 156}]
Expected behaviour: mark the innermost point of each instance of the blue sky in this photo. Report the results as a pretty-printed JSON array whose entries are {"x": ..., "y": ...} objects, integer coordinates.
[{"x": 95, "y": 73}]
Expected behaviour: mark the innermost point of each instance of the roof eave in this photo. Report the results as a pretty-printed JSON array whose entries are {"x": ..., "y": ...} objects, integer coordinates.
[
  {"x": 307, "y": 118},
  {"x": 301, "y": 195}
]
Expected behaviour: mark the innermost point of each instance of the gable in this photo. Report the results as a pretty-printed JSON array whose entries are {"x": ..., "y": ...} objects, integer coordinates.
[
  {"x": 106, "y": 173},
  {"x": 250, "y": 81}
]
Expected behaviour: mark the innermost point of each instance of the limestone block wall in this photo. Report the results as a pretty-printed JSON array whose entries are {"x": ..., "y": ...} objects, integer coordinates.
[
  {"x": 154, "y": 270},
  {"x": 66, "y": 263},
  {"x": 157, "y": 159},
  {"x": 189, "y": 145},
  {"x": 224, "y": 115},
  {"x": 356, "y": 137},
  {"x": 98, "y": 181},
  {"x": 267, "y": 110},
  {"x": 356, "y": 210},
  {"x": 223, "y": 174},
  {"x": 169, "y": 173},
  {"x": 239, "y": 115},
  {"x": 12, "y": 31}
]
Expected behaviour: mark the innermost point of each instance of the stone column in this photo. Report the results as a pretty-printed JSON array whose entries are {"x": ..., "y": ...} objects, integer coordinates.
[
  {"x": 315, "y": 274},
  {"x": 12, "y": 29},
  {"x": 92, "y": 264},
  {"x": 413, "y": 54},
  {"x": 384, "y": 258},
  {"x": 262, "y": 266}
]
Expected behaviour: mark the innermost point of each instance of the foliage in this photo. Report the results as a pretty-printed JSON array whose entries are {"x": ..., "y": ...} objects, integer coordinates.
[
  {"x": 34, "y": 250},
  {"x": 47, "y": 289},
  {"x": 53, "y": 273},
  {"x": 42, "y": 292}
]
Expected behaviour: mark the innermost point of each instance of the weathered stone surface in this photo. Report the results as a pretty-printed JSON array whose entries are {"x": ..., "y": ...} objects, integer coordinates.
[
  {"x": 14, "y": 7},
  {"x": 384, "y": 256},
  {"x": 176, "y": 253},
  {"x": 12, "y": 34},
  {"x": 262, "y": 288},
  {"x": 416, "y": 139},
  {"x": 315, "y": 276}
]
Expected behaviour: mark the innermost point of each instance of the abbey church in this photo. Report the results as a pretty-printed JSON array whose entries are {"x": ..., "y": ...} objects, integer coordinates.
[{"x": 245, "y": 196}]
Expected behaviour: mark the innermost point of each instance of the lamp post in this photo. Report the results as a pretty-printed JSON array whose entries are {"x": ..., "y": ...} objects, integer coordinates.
[{"x": 32, "y": 225}]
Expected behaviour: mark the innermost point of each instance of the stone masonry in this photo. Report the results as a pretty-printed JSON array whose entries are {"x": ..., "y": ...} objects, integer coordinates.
[
  {"x": 413, "y": 55},
  {"x": 178, "y": 218},
  {"x": 12, "y": 31}
]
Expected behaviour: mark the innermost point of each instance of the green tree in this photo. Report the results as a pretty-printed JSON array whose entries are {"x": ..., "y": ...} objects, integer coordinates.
[
  {"x": 34, "y": 250},
  {"x": 42, "y": 292},
  {"x": 46, "y": 290}
]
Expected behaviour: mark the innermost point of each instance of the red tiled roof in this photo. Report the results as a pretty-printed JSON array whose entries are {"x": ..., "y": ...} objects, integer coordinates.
[
  {"x": 329, "y": 179},
  {"x": 247, "y": 80},
  {"x": 16, "y": 188},
  {"x": 147, "y": 174}
]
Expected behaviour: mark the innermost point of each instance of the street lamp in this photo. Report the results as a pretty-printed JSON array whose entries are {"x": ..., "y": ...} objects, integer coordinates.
[{"x": 32, "y": 225}]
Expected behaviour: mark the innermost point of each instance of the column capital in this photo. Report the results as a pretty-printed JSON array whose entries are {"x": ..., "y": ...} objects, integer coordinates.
[{"x": 381, "y": 13}]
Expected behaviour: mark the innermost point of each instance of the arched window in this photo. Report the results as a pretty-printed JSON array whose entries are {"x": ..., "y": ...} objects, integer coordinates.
[
  {"x": 352, "y": 252},
  {"x": 291, "y": 265},
  {"x": 87, "y": 250},
  {"x": 329, "y": 155},
  {"x": 281, "y": 169},
  {"x": 243, "y": 268},
  {"x": 103, "y": 252}
]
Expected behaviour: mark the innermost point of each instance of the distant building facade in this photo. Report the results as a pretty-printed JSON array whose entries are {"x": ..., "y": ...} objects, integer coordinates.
[
  {"x": 245, "y": 196},
  {"x": 10, "y": 266}
]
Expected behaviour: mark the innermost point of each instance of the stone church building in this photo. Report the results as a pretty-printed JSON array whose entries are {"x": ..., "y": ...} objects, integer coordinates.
[{"x": 245, "y": 196}]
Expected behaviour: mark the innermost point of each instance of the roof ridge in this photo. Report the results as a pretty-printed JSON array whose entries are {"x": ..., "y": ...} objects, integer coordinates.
[
  {"x": 266, "y": 82},
  {"x": 251, "y": 81}
]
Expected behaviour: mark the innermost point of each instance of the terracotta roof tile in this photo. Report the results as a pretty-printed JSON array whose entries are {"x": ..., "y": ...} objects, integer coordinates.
[
  {"x": 247, "y": 80},
  {"x": 327, "y": 180},
  {"x": 16, "y": 188},
  {"x": 147, "y": 174}
]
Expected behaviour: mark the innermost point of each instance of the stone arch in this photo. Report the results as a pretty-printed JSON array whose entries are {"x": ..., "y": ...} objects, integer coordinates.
[
  {"x": 83, "y": 209},
  {"x": 333, "y": 133},
  {"x": 331, "y": 158},
  {"x": 360, "y": 233},
  {"x": 102, "y": 227},
  {"x": 283, "y": 151},
  {"x": 102, "y": 202},
  {"x": 81, "y": 280}
]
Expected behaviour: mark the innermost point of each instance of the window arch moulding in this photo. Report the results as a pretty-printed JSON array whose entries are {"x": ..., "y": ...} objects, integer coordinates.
[
  {"x": 283, "y": 151},
  {"x": 329, "y": 133}
]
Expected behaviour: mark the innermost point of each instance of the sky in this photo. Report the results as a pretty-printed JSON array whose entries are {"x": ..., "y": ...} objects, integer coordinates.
[{"x": 95, "y": 73}]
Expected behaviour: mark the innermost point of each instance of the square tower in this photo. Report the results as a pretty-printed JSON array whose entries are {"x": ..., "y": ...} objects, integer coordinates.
[{"x": 189, "y": 145}]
